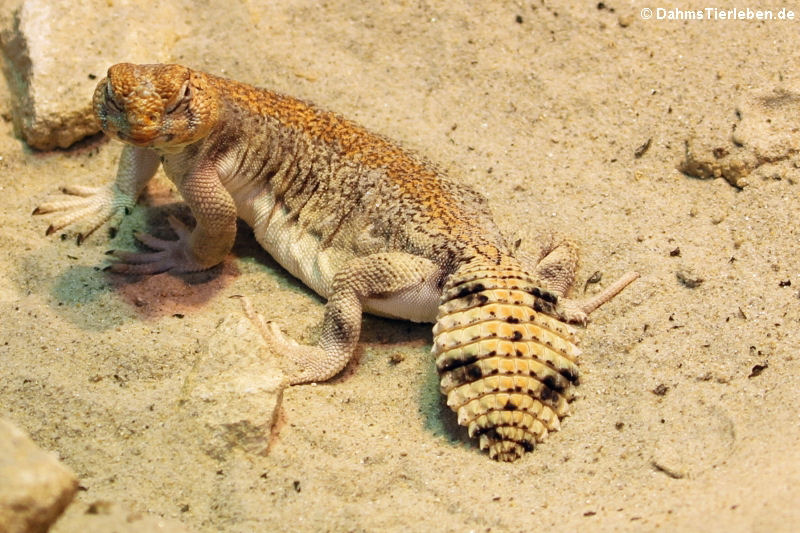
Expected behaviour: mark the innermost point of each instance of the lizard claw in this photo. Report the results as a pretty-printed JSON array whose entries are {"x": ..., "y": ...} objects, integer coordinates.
[
  {"x": 167, "y": 255},
  {"x": 300, "y": 354},
  {"x": 270, "y": 331},
  {"x": 572, "y": 313},
  {"x": 90, "y": 206}
]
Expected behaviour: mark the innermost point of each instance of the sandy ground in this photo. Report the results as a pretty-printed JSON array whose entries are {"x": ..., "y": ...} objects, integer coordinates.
[{"x": 687, "y": 417}]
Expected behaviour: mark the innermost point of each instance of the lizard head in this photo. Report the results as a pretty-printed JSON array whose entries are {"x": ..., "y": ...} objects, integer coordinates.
[{"x": 156, "y": 106}]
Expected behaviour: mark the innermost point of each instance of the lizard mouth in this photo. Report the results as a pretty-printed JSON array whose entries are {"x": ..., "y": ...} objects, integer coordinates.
[
  {"x": 115, "y": 121},
  {"x": 144, "y": 141}
]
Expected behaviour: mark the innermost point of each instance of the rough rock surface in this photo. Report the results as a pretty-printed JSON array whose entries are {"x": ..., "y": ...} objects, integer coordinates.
[
  {"x": 235, "y": 390},
  {"x": 760, "y": 131},
  {"x": 50, "y": 107},
  {"x": 35, "y": 487}
]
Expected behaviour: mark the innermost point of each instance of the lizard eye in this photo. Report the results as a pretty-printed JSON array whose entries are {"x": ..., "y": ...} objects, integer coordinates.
[
  {"x": 110, "y": 102},
  {"x": 181, "y": 100}
]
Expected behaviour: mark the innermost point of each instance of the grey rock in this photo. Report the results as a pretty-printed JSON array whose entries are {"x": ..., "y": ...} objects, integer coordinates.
[{"x": 35, "y": 487}]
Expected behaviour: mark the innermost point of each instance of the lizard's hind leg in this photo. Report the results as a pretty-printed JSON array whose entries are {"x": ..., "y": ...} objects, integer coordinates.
[
  {"x": 556, "y": 263},
  {"x": 556, "y": 267},
  {"x": 398, "y": 282}
]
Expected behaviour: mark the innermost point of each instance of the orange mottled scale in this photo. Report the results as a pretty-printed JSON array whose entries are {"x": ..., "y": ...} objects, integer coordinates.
[{"x": 507, "y": 369}]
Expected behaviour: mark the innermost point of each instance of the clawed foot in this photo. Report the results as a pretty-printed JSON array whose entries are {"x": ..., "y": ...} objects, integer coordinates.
[
  {"x": 572, "y": 312},
  {"x": 90, "y": 206},
  {"x": 168, "y": 255},
  {"x": 302, "y": 356}
]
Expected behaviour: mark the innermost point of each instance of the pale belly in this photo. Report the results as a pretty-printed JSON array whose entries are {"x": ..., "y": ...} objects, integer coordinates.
[
  {"x": 297, "y": 250},
  {"x": 302, "y": 254},
  {"x": 419, "y": 303}
]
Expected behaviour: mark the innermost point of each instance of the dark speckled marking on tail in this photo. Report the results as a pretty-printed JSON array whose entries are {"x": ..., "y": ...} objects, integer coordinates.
[{"x": 507, "y": 368}]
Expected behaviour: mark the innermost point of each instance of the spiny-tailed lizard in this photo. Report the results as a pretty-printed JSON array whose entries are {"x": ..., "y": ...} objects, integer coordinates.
[{"x": 363, "y": 222}]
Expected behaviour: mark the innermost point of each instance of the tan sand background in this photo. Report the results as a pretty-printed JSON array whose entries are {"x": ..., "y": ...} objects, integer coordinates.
[{"x": 540, "y": 107}]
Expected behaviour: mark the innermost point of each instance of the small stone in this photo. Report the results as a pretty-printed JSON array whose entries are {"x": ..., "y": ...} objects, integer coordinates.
[
  {"x": 237, "y": 389},
  {"x": 642, "y": 148},
  {"x": 689, "y": 280},
  {"x": 35, "y": 487},
  {"x": 660, "y": 390},
  {"x": 757, "y": 370},
  {"x": 99, "y": 507},
  {"x": 757, "y": 133}
]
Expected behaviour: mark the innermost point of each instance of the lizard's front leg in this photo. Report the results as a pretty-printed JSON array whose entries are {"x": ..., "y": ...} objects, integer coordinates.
[
  {"x": 401, "y": 278},
  {"x": 199, "y": 249},
  {"x": 94, "y": 206}
]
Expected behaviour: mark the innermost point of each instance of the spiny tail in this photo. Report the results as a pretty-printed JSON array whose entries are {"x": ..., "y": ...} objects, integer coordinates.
[{"x": 506, "y": 366}]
